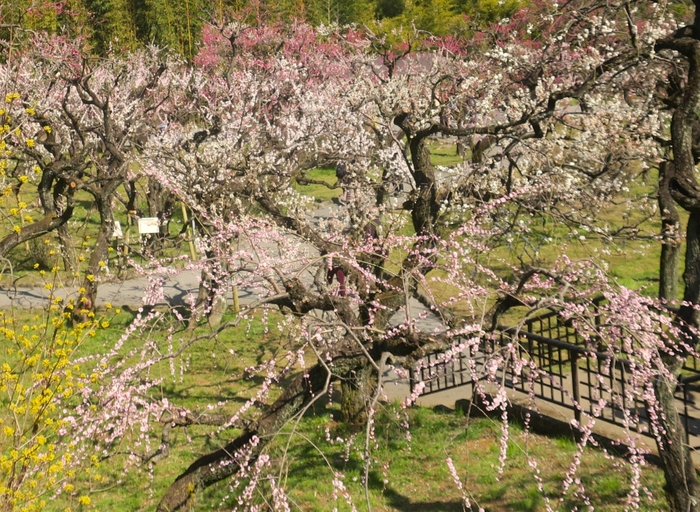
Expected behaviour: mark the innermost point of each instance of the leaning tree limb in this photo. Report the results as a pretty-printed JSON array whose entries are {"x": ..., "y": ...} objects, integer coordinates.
[{"x": 221, "y": 464}]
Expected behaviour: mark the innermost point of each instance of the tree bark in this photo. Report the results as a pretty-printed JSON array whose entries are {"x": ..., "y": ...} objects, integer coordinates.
[
  {"x": 356, "y": 390},
  {"x": 57, "y": 211},
  {"x": 66, "y": 247},
  {"x": 681, "y": 479},
  {"x": 49, "y": 223},
  {"x": 670, "y": 237},
  {"x": 160, "y": 205},
  {"x": 211, "y": 302},
  {"x": 100, "y": 252},
  {"x": 682, "y": 488}
]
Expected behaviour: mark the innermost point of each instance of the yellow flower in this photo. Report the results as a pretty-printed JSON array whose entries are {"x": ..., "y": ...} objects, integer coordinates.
[
  {"x": 29, "y": 218},
  {"x": 105, "y": 325},
  {"x": 16, "y": 229},
  {"x": 23, "y": 178},
  {"x": 90, "y": 278},
  {"x": 48, "y": 286},
  {"x": 30, "y": 111},
  {"x": 30, "y": 143},
  {"x": 47, "y": 129},
  {"x": 22, "y": 205},
  {"x": 84, "y": 500},
  {"x": 102, "y": 264},
  {"x": 36, "y": 266}
]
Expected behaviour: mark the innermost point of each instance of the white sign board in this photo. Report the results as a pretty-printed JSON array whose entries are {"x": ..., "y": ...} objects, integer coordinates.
[
  {"x": 117, "y": 233},
  {"x": 148, "y": 225}
]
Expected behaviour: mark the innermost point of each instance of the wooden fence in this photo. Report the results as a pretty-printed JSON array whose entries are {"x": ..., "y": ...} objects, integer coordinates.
[{"x": 569, "y": 374}]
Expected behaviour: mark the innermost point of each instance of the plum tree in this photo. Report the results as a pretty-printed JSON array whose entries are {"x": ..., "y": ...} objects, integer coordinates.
[
  {"x": 556, "y": 91},
  {"x": 76, "y": 125}
]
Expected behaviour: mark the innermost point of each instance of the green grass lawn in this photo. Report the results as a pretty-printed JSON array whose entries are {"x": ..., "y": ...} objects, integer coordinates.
[
  {"x": 409, "y": 470},
  {"x": 405, "y": 476},
  {"x": 444, "y": 154},
  {"x": 320, "y": 192}
]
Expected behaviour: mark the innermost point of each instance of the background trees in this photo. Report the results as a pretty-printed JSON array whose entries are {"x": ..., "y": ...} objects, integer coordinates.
[
  {"x": 118, "y": 25},
  {"x": 76, "y": 127}
]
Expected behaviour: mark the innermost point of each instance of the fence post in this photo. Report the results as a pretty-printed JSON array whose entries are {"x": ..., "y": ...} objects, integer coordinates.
[
  {"x": 575, "y": 387},
  {"x": 686, "y": 417}
]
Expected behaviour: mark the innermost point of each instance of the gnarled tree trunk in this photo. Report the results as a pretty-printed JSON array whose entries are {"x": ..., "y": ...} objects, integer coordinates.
[
  {"x": 679, "y": 179},
  {"x": 670, "y": 237}
]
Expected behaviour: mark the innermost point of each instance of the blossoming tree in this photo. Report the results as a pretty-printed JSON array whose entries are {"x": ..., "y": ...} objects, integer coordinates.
[
  {"x": 557, "y": 101},
  {"x": 74, "y": 123}
]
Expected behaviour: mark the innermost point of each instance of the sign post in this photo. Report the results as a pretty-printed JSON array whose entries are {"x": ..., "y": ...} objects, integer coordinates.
[{"x": 148, "y": 225}]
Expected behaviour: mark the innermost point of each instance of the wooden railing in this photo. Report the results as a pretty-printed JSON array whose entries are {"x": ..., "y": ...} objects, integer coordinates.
[{"x": 567, "y": 372}]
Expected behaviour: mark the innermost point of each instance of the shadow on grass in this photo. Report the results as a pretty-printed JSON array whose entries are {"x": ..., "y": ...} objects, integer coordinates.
[
  {"x": 405, "y": 504},
  {"x": 197, "y": 393}
]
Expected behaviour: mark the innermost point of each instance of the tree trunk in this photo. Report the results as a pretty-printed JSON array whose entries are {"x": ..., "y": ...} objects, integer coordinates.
[
  {"x": 100, "y": 252},
  {"x": 682, "y": 488},
  {"x": 682, "y": 485},
  {"x": 160, "y": 205},
  {"x": 668, "y": 272},
  {"x": 58, "y": 209},
  {"x": 670, "y": 237},
  {"x": 36, "y": 229},
  {"x": 211, "y": 300},
  {"x": 66, "y": 247},
  {"x": 356, "y": 392},
  {"x": 425, "y": 210},
  {"x": 681, "y": 479}
]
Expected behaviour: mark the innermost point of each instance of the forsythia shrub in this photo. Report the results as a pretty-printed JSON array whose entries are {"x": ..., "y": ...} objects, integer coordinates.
[{"x": 42, "y": 379}]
